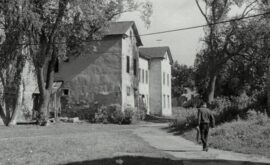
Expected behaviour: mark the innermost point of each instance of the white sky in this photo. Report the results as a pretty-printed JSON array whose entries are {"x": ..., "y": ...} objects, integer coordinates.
[{"x": 168, "y": 15}]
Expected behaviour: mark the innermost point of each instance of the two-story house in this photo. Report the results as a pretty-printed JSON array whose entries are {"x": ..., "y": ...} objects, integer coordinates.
[
  {"x": 144, "y": 82},
  {"x": 159, "y": 63},
  {"x": 105, "y": 71}
]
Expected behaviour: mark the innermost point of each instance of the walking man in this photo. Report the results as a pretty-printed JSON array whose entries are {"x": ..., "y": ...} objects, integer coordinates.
[{"x": 205, "y": 120}]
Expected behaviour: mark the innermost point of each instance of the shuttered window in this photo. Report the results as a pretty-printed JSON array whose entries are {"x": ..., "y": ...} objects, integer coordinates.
[{"x": 128, "y": 64}]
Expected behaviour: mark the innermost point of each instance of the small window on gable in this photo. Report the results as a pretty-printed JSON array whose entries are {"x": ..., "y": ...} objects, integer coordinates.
[{"x": 65, "y": 92}]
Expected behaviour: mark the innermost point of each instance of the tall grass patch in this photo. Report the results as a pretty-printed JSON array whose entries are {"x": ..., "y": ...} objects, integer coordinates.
[{"x": 250, "y": 136}]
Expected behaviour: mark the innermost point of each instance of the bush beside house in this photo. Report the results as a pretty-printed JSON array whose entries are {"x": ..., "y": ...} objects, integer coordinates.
[{"x": 113, "y": 113}]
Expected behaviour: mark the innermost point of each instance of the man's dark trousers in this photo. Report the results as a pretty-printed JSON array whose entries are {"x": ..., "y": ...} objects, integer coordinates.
[{"x": 204, "y": 129}]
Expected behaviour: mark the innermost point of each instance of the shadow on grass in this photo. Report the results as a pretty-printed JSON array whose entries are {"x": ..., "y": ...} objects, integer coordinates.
[
  {"x": 157, "y": 119},
  {"x": 129, "y": 160},
  {"x": 176, "y": 131}
]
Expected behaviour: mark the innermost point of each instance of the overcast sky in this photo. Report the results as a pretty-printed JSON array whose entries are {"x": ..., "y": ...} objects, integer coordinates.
[{"x": 168, "y": 15}]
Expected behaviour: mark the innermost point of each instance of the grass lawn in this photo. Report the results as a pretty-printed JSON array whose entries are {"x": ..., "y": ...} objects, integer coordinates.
[
  {"x": 239, "y": 136},
  {"x": 67, "y": 143}
]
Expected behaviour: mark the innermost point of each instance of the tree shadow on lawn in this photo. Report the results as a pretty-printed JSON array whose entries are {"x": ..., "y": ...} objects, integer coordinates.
[{"x": 138, "y": 160}]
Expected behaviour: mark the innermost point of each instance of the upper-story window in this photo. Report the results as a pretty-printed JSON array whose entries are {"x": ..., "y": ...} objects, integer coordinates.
[
  {"x": 163, "y": 78},
  {"x": 128, "y": 64},
  {"x": 146, "y": 77},
  {"x": 135, "y": 66},
  {"x": 168, "y": 79},
  {"x": 139, "y": 75},
  {"x": 142, "y": 76}
]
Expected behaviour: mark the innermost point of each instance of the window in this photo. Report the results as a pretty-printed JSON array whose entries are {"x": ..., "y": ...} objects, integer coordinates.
[
  {"x": 128, "y": 64},
  {"x": 135, "y": 67},
  {"x": 128, "y": 91},
  {"x": 139, "y": 75},
  {"x": 146, "y": 100},
  {"x": 168, "y": 79},
  {"x": 163, "y": 78},
  {"x": 56, "y": 66},
  {"x": 142, "y": 76},
  {"x": 130, "y": 35},
  {"x": 164, "y": 101},
  {"x": 65, "y": 92},
  {"x": 146, "y": 77},
  {"x": 168, "y": 101}
]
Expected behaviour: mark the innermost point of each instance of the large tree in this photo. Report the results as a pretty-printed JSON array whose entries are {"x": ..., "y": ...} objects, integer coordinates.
[
  {"x": 49, "y": 28},
  {"x": 222, "y": 41},
  {"x": 264, "y": 7},
  {"x": 182, "y": 76}
]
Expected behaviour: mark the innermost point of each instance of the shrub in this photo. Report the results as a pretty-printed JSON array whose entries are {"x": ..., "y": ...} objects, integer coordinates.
[
  {"x": 185, "y": 119},
  {"x": 227, "y": 109},
  {"x": 251, "y": 115},
  {"x": 101, "y": 115},
  {"x": 114, "y": 114},
  {"x": 117, "y": 117},
  {"x": 257, "y": 117},
  {"x": 129, "y": 115}
]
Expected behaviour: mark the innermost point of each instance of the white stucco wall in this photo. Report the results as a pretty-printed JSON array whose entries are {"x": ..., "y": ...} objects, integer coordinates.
[
  {"x": 155, "y": 87},
  {"x": 166, "y": 87},
  {"x": 28, "y": 87},
  {"x": 129, "y": 80},
  {"x": 143, "y": 84}
]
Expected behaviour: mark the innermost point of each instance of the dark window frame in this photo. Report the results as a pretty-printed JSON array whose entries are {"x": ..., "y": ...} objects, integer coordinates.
[
  {"x": 128, "y": 64},
  {"x": 135, "y": 67},
  {"x": 66, "y": 92}
]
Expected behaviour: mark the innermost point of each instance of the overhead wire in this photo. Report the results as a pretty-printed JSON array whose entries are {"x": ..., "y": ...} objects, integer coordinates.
[{"x": 160, "y": 32}]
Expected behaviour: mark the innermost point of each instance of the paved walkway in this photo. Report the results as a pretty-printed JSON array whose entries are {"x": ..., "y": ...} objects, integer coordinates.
[{"x": 181, "y": 148}]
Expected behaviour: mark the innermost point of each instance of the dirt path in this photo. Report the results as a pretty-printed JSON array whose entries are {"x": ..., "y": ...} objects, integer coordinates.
[{"x": 181, "y": 148}]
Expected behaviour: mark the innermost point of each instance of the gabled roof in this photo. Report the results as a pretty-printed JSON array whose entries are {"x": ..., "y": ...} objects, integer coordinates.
[
  {"x": 156, "y": 52},
  {"x": 121, "y": 28}
]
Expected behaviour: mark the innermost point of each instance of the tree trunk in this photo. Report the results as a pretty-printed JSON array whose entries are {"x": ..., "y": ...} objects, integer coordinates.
[
  {"x": 268, "y": 88},
  {"x": 13, "y": 120},
  {"x": 45, "y": 89},
  {"x": 211, "y": 88},
  {"x": 43, "y": 99},
  {"x": 43, "y": 107}
]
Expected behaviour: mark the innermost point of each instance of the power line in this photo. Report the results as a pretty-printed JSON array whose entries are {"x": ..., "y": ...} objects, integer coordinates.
[
  {"x": 156, "y": 33},
  {"x": 205, "y": 25}
]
